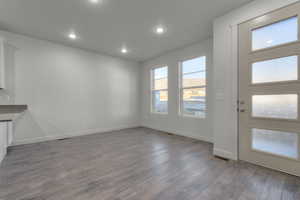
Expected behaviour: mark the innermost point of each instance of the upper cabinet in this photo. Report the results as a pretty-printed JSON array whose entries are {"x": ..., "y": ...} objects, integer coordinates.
[
  {"x": 7, "y": 72},
  {"x": 2, "y": 64},
  {"x": 7, "y": 58}
]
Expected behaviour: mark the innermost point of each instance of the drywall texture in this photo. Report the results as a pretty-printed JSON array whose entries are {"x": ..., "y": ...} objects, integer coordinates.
[
  {"x": 226, "y": 70},
  {"x": 69, "y": 91},
  {"x": 172, "y": 122}
]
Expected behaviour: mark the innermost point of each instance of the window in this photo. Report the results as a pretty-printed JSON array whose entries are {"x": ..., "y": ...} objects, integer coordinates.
[
  {"x": 282, "y": 106},
  {"x": 283, "y": 69},
  {"x": 159, "y": 90},
  {"x": 193, "y": 87},
  {"x": 279, "y": 33},
  {"x": 275, "y": 142}
]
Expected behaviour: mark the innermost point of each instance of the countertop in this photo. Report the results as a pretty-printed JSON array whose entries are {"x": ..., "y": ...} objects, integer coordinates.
[
  {"x": 11, "y": 112},
  {"x": 11, "y": 109}
]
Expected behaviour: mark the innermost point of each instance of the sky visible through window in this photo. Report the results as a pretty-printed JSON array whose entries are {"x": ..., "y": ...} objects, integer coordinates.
[
  {"x": 194, "y": 65},
  {"x": 275, "y": 34},
  {"x": 275, "y": 70},
  {"x": 160, "y": 72}
]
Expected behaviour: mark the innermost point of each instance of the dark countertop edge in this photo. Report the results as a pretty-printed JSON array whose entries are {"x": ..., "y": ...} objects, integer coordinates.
[
  {"x": 7, "y": 120},
  {"x": 12, "y": 109}
]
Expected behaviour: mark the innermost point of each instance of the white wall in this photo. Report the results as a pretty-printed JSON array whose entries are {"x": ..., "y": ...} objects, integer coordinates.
[
  {"x": 173, "y": 123},
  {"x": 225, "y": 73},
  {"x": 70, "y": 91}
]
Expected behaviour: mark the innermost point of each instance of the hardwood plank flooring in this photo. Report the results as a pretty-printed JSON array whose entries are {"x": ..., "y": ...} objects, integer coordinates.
[{"x": 135, "y": 164}]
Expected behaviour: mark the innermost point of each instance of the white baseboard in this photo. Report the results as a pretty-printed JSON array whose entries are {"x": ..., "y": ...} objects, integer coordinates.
[
  {"x": 225, "y": 154},
  {"x": 103, "y": 130},
  {"x": 69, "y": 135},
  {"x": 181, "y": 133}
]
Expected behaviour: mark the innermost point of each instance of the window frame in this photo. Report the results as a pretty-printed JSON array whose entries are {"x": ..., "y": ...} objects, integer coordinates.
[
  {"x": 152, "y": 80},
  {"x": 181, "y": 88}
]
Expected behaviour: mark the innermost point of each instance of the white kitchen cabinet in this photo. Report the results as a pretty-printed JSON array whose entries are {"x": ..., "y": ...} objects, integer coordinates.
[
  {"x": 2, "y": 64},
  {"x": 9, "y": 133},
  {"x": 7, "y": 59},
  {"x": 3, "y": 139},
  {"x": 8, "y": 111}
]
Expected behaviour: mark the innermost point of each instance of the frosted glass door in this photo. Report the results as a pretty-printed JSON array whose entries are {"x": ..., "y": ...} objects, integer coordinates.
[{"x": 269, "y": 89}]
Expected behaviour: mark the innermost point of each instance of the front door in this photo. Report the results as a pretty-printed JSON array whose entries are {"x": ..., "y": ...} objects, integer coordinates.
[{"x": 269, "y": 90}]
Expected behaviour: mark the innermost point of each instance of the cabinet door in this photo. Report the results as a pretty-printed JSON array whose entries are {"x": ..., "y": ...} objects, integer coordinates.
[
  {"x": 9, "y": 133},
  {"x": 7, "y": 66},
  {"x": 3, "y": 139},
  {"x": 2, "y": 64}
]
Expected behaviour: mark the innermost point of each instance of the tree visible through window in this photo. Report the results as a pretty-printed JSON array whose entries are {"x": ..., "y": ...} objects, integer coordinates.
[
  {"x": 193, "y": 87},
  {"x": 159, "y": 90}
]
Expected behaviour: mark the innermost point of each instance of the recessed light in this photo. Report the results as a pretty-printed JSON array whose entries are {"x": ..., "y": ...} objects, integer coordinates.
[
  {"x": 94, "y": 1},
  {"x": 160, "y": 30},
  {"x": 124, "y": 50},
  {"x": 72, "y": 36},
  {"x": 270, "y": 41}
]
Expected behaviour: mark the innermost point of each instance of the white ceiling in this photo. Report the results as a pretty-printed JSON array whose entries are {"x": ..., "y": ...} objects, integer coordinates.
[{"x": 111, "y": 24}]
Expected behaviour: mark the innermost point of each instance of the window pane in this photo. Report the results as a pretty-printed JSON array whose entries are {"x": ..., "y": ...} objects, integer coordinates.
[
  {"x": 160, "y": 101},
  {"x": 194, "y": 102},
  {"x": 275, "y": 142},
  {"x": 281, "y": 69},
  {"x": 194, "y": 79},
  {"x": 161, "y": 72},
  {"x": 194, "y": 65},
  {"x": 160, "y": 84},
  {"x": 275, "y": 106},
  {"x": 275, "y": 34}
]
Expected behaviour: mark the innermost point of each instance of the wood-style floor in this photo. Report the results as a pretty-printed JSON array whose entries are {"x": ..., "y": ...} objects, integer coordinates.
[{"x": 135, "y": 164}]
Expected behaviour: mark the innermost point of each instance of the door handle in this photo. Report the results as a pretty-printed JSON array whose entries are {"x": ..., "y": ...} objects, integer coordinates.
[{"x": 242, "y": 110}]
